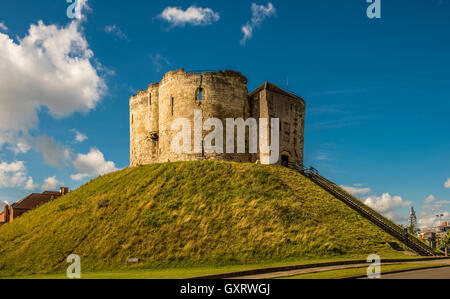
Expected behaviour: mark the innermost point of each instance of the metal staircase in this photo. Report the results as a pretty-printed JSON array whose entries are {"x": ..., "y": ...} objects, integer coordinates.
[{"x": 385, "y": 224}]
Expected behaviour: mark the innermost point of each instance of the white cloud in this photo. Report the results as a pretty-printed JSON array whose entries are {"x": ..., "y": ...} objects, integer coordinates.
[
  {"x": 13, "y": 174},
  {"x": 54, "y": 154},
  {"x": 18, "y": 143},
  {"x": 92, "y": 164},
  {"x": 50, "y": 67},
  {"x": 397, "y": 218},
  {"x": 386, "y": 204},
  {"x": 114, "y": 29},
  {"x": 30, "y": 185},
  {"x": 80, "y": 176},
  {"x": 447, "y": 184},
  {"x": 431, "y": 208},
  {"x": 429, "y": 219},
  {"x": 356, "y": 190},
  {"x": 259, "y": 14},
  {"x": 429, "y": 199},
  {"x": 51, "y": 183},
  {"x": 3, "y": 26},
  {"x": 21, "y": 147},
  {"x": 195, "y": 16},
  {"x": 79, "y": 137}
]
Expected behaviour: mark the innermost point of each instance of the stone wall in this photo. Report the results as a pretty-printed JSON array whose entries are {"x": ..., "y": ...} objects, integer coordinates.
[
  {"x": 218, "y": 95},
  {"x": 270, "y": 101}
]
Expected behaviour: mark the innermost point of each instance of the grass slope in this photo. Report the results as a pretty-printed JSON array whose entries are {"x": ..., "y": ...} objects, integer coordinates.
[{"x": 188, "y": 214}]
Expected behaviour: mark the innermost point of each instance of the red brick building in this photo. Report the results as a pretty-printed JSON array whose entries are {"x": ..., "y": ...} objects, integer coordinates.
[{"x": 29, "y": 203}]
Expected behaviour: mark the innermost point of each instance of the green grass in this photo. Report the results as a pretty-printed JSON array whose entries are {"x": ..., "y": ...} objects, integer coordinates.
[
  {"x": 334, "y": 274},
  {"x": 188, "y": 215},
  {"x": 182, "y": 273}
]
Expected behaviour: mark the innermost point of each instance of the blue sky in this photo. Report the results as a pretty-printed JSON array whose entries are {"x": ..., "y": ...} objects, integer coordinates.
[{"x": 377, "y": 90}]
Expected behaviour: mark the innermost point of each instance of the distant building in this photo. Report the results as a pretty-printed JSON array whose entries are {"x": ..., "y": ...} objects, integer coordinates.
[
  {"x": 435, "y": 233},
  {"x": 29, "y": 203}
]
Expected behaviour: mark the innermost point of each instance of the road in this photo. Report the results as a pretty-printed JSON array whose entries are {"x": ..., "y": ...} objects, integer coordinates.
[{"x": 440, "y": 273}]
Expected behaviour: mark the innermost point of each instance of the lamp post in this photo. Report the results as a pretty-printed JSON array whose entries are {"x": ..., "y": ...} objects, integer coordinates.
[{"x": 439, "y": 227}]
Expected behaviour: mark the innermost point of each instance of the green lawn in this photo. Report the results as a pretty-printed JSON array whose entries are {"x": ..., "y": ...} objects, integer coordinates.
[
  {"x": 181, "y": 273},
  {"x": 354, "y": 272}
]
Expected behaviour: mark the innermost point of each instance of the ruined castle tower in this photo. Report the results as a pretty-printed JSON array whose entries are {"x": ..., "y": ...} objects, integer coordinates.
[{"x": 220, "y": 95}]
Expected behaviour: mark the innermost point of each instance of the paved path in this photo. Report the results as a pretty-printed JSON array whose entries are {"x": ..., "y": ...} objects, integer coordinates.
[
  {"x": 331, "y": 268},
  {"x": 300, "y": 271},
  {"x": 441, "y": 273}
]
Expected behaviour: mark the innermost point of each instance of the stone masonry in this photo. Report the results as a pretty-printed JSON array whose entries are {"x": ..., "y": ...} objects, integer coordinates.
[{"x": 219, "y": 95}]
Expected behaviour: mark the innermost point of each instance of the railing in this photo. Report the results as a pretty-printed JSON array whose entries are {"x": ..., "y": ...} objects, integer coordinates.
[{"x": 388, "y": 226}]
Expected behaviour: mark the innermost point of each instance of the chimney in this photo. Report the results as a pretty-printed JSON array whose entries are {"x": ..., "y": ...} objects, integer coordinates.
[
  {"x": 64, "y": 191},
  {"x": 6, "y": 213}
]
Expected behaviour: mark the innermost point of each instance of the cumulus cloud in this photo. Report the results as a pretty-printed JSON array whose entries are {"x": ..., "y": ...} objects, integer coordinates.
[
  {"x": 30, "y": 185},
  {"x": 114, "y": 29},
  {"x": 51, "y": 183},
  {"x": 356, "y": 190},
  {"x": 18, "y": 143},
  {"x": 194, "y": 16},
  {"x": 49, "y": 68},
  {"x": 430, "y": 219},
  {"x": 79, "y": 137},
  {"x": 3, "y": 26},
  {"x": 447, "y": 184},
  {"x": 259, "y": 14},
  {"x": 80, "y": 176},
  {"x": 427, "y": 218},
  {"x": 13, "y": 174},
  {"x": 92, "y": 164},
  {"x": 20, "y": 147},
  {"x": 54, "y": 154},
  {"x": 387, "y": 205}
]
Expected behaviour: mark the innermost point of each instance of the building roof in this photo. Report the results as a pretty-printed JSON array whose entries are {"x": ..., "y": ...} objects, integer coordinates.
[
  {"x": 34, "y": 200},
  {"x": 274, "y": 88}
]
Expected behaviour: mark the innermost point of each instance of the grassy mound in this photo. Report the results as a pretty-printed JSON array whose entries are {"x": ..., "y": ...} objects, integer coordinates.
[{"x": 188, "y": 214}]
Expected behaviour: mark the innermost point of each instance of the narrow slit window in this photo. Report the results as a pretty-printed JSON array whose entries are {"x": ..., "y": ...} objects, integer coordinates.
[
  {"x": 200, "y": 95},
  {"x": 172, "y": 104},
  {"x": 149, "y": 99}
]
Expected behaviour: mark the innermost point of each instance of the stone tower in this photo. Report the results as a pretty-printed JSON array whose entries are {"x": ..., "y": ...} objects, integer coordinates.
[{"x": 220, "y": 95}]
